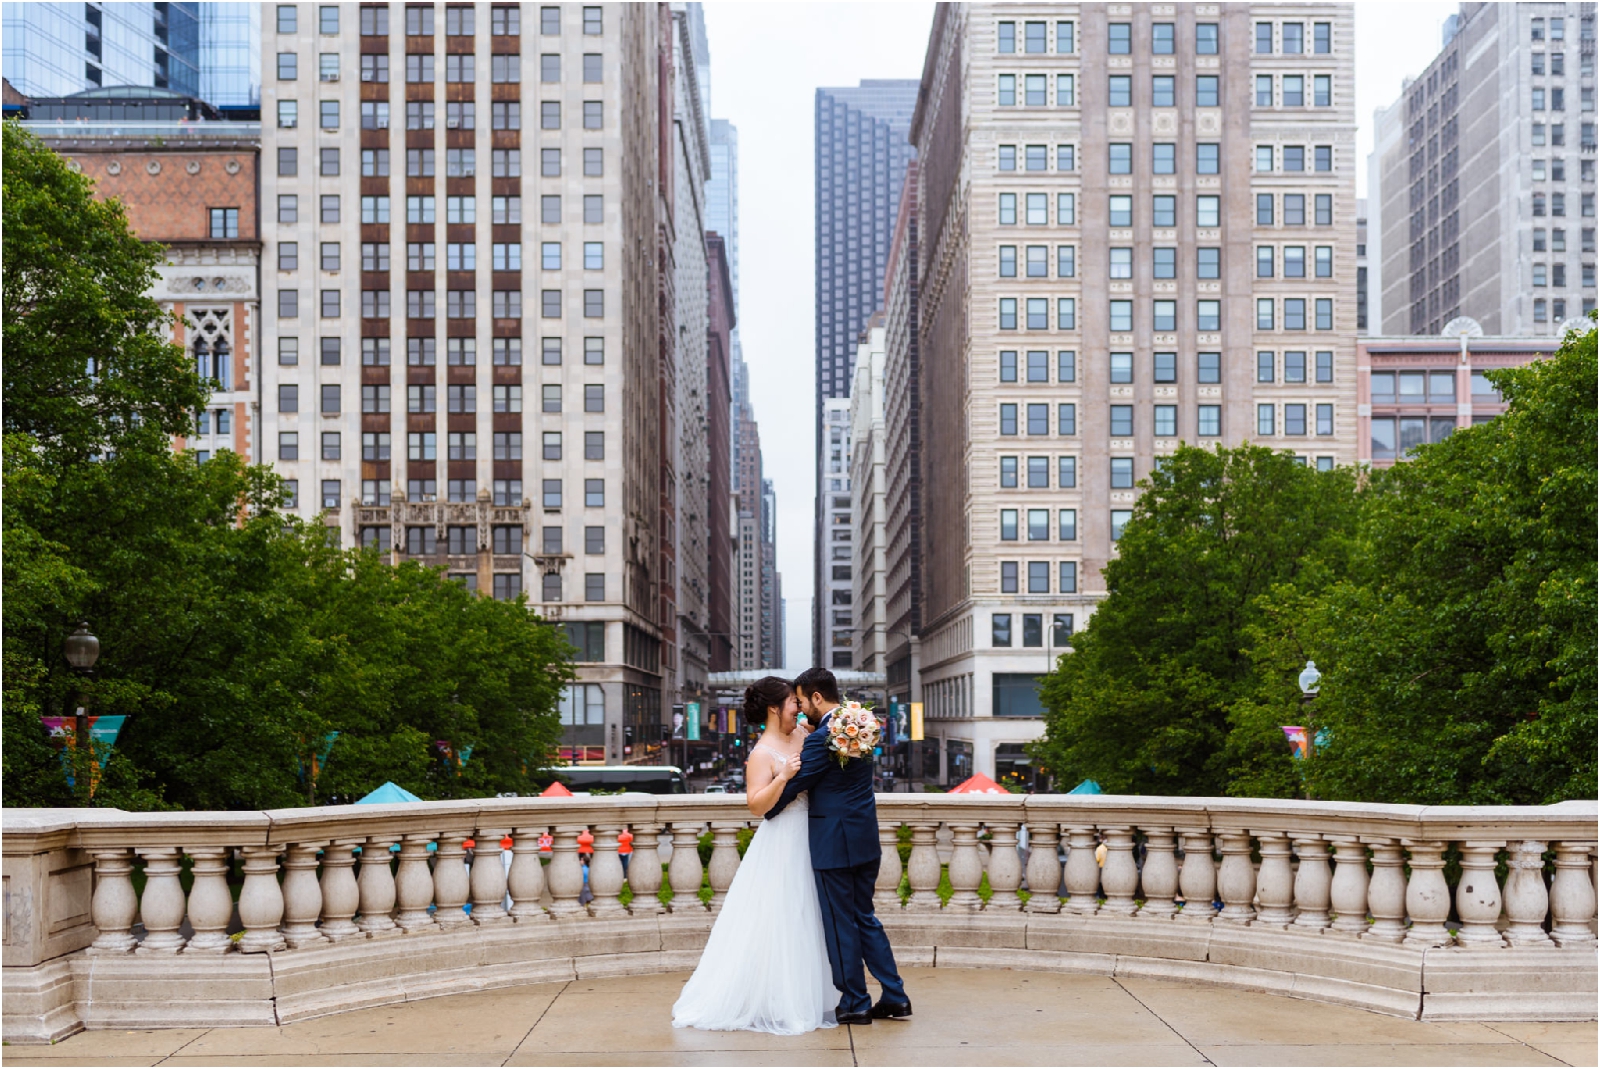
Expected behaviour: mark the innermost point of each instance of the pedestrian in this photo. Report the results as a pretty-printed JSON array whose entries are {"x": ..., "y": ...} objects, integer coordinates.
[{"x": 625, "y": 849}]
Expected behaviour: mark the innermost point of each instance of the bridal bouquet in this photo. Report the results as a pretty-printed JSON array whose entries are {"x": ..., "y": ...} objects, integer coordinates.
[{"x": 852, "y": 732}]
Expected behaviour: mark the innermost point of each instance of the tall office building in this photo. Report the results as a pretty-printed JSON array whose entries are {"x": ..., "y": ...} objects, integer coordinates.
[
  {"x": 206, "y": 50},
  {"x": 861, "y": 157},
  {"x": 903, "y": 435},
  {"x": 469, "y": 320},
  {"x": 1136, "y": 228},
  {"x": 1485, "y": 203},
  {"x": 867, "y": 454}
]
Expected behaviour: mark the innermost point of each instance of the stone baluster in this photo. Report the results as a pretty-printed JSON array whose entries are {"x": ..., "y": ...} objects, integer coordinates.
[
  {"x": 340, "y": 895},
  {"x": 450, "y": 886},
  {"x": 376, "y": 887},
  {"x": 923, "y": 869},
  {"x": 605, "y": 873},
  {"x": 302, "y": 896},
  {"x": 1386, "y": 892},
  {"x": 1044, "y": 868},
  {"x": 261, "y": 901},
  {"x": 210, "y": 901},
  {"x": 1274, "y": 881},
  {"x": 1348, "y": 892},
  {"x": 488, "y": 880},
  {"x": 526, "y": 879},
  {"x": 966, "y": 868},
  {"x": 1198, "y": 876},
  {"x": 1005, "y": 869},
  {"x": 724, "y": 859},
  {"x": 1478, "y": 899},
  {"x": 565, "y": 875},
  {"x": 1427, "y": 895},
  {"x": 1083, "y": 871},
  {"x": 413, "y": 884},
  {"x": 1313, "y": 883},
  {"x": 1159, "y": 877},
  {"x": 1236, "y": 879},
  {"x": 161, "y": 907},
  {"x": 1120, "y": 876},
  {"x": 644, "y": 871},
  {"x": 113, "y": 905},
  {"x": 1527, "y": 900},
  {"x": 1572, "y": 896},
  {"x": 886, "y": 891},
  {"x": 684, "y": 872}
]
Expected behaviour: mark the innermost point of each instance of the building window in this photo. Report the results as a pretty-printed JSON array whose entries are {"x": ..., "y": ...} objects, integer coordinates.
[
  {"x": 224, "y": 223},
  {"x": 1266, "y": 420},
  {"x": 1119, "y": 38},
  {"x": 1000, "y": 622},
  {"x": 1119, "y": 522},
  {"x": 1209, "y": 423}
]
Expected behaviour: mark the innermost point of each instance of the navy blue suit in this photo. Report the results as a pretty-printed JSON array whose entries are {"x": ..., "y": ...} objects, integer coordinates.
[{"x": 845, "y": 854}]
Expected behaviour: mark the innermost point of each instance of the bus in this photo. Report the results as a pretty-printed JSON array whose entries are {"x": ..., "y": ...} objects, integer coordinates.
[{"x": 649, "y": 779}]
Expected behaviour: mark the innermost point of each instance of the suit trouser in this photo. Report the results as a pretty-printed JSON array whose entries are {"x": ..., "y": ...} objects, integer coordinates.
[{"x": 855, "y": 937}]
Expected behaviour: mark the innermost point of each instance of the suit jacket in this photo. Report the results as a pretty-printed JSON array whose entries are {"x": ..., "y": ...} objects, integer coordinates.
[{"x": 844, "y": 813}]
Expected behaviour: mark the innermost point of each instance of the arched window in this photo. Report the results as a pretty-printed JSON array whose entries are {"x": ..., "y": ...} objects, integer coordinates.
[{"x": 220, "y": 363}]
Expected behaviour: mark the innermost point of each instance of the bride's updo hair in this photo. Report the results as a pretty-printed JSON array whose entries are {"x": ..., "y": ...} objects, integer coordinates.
[{"x": 767, "y": 692}]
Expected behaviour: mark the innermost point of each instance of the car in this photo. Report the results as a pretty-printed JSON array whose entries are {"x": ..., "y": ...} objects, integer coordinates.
[{"x": 717, "y": 788}]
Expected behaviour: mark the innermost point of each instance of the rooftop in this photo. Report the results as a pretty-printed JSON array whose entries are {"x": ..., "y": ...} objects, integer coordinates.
[{"x": 963, "y": 1017}]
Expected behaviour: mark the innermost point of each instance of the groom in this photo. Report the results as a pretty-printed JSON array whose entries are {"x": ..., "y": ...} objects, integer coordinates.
[{"x": 845, "y": 853}]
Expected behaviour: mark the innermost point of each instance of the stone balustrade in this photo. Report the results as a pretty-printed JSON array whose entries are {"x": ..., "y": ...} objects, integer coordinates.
[{"x": 197, "y": 919}]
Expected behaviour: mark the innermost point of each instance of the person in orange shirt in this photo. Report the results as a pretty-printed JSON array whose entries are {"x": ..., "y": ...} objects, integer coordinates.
[
  {"x": 585, "y": 852},
  {"x": 625, "y": 849}
]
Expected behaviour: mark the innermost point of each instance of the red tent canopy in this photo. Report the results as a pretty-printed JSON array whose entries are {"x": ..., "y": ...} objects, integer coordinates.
[
  {"x": 555, "y": 790},
  {"x": 979, "y": 784}
]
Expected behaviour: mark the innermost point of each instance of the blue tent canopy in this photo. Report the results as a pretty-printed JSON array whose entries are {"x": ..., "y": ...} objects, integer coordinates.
[
  {"x": 1088, "y": 786},
  {"x": 390, "y": 792}
]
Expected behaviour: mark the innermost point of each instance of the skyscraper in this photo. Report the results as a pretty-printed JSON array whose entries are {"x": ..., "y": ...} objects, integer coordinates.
[
  {"x": 861, "y": 157},
  {"x": 206, "y": 50},
  {"x": 1485, "y": 203},
  {"x": 1136, "y": 228}
]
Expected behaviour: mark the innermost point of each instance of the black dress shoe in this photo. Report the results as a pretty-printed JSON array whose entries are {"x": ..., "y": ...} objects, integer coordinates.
[
  {"x": 890, "y": 1010},
  {"x": 859, "y": 1017}
]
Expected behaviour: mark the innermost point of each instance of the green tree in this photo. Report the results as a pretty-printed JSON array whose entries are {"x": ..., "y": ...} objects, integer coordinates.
[
  {"x": 1460, "y": 651},
  {"x": 1142, "y": 705}
]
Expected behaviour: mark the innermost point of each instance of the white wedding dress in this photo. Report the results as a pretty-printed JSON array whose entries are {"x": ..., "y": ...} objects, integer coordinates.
[{"x": 765, "y": 966}]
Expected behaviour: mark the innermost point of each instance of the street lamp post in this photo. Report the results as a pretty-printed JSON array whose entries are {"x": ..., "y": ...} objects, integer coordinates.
[{"x": 81, "y": 650}]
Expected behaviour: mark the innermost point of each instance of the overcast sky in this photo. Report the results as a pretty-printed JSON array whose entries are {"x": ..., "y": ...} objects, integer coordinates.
[{"x": 767, "y": 61}]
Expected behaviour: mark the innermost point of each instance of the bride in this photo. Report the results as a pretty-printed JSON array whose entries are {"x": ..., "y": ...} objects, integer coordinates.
[{"x": 765, "y": 966}]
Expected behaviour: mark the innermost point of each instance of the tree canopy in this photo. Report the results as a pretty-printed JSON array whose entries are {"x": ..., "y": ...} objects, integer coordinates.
[
  {"x": 1449, "y": 602},
  {"x": 258, "y": 664}
]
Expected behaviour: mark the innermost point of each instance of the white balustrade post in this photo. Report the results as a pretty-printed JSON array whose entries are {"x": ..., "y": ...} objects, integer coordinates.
[
  {"x": 684, "y": 871},
  {"x": 1478, "y": 900},
  {"x": 886, "y": 891},
  {"x": 724, "y": 859},
  {"x": 1572, "y": 896},
  {"x": 1427, "y": 895},
  {"x": 113, "y": 905},
  {"x": 605, "y": 873},
  {"x": 644, "y": 871},
  {"x": 565, "y": 874},
  {"x": 413, "y": 884},
  {"x": 1386, "y": 892},
  {"x": 525, "y": 881},
  {"x": 1005, "y": 869},
  {"x": 210, "y": 901},
  {"x": 1044, "y": 868},
  {"x": 1274, "y": 881},
  {"x": 966, "y": 869},
  {"x": 376, "y": 887},
  {"x": 340, "y": 895},
  {"x": 1120, "y": 876},
  {"x": 450, "y": 886},
  {"x": 1313, "y": 883},
  {"x": 1159, "y": 877},
  {"x": 302, "y": 896},
  {"x": 261, "y": 901},
  {"x": 1527, "y": 900},
  {"x": 488, "y": 880},
  {"x": 1236, "y": 879},
  {"x": 1197, "y": 879},
  {"x": 1083, "y": 871},
  {"x": 923, "y": 868},
  {"x": 161, "y": 907},
  {"x": 1348, "y": 892}
]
